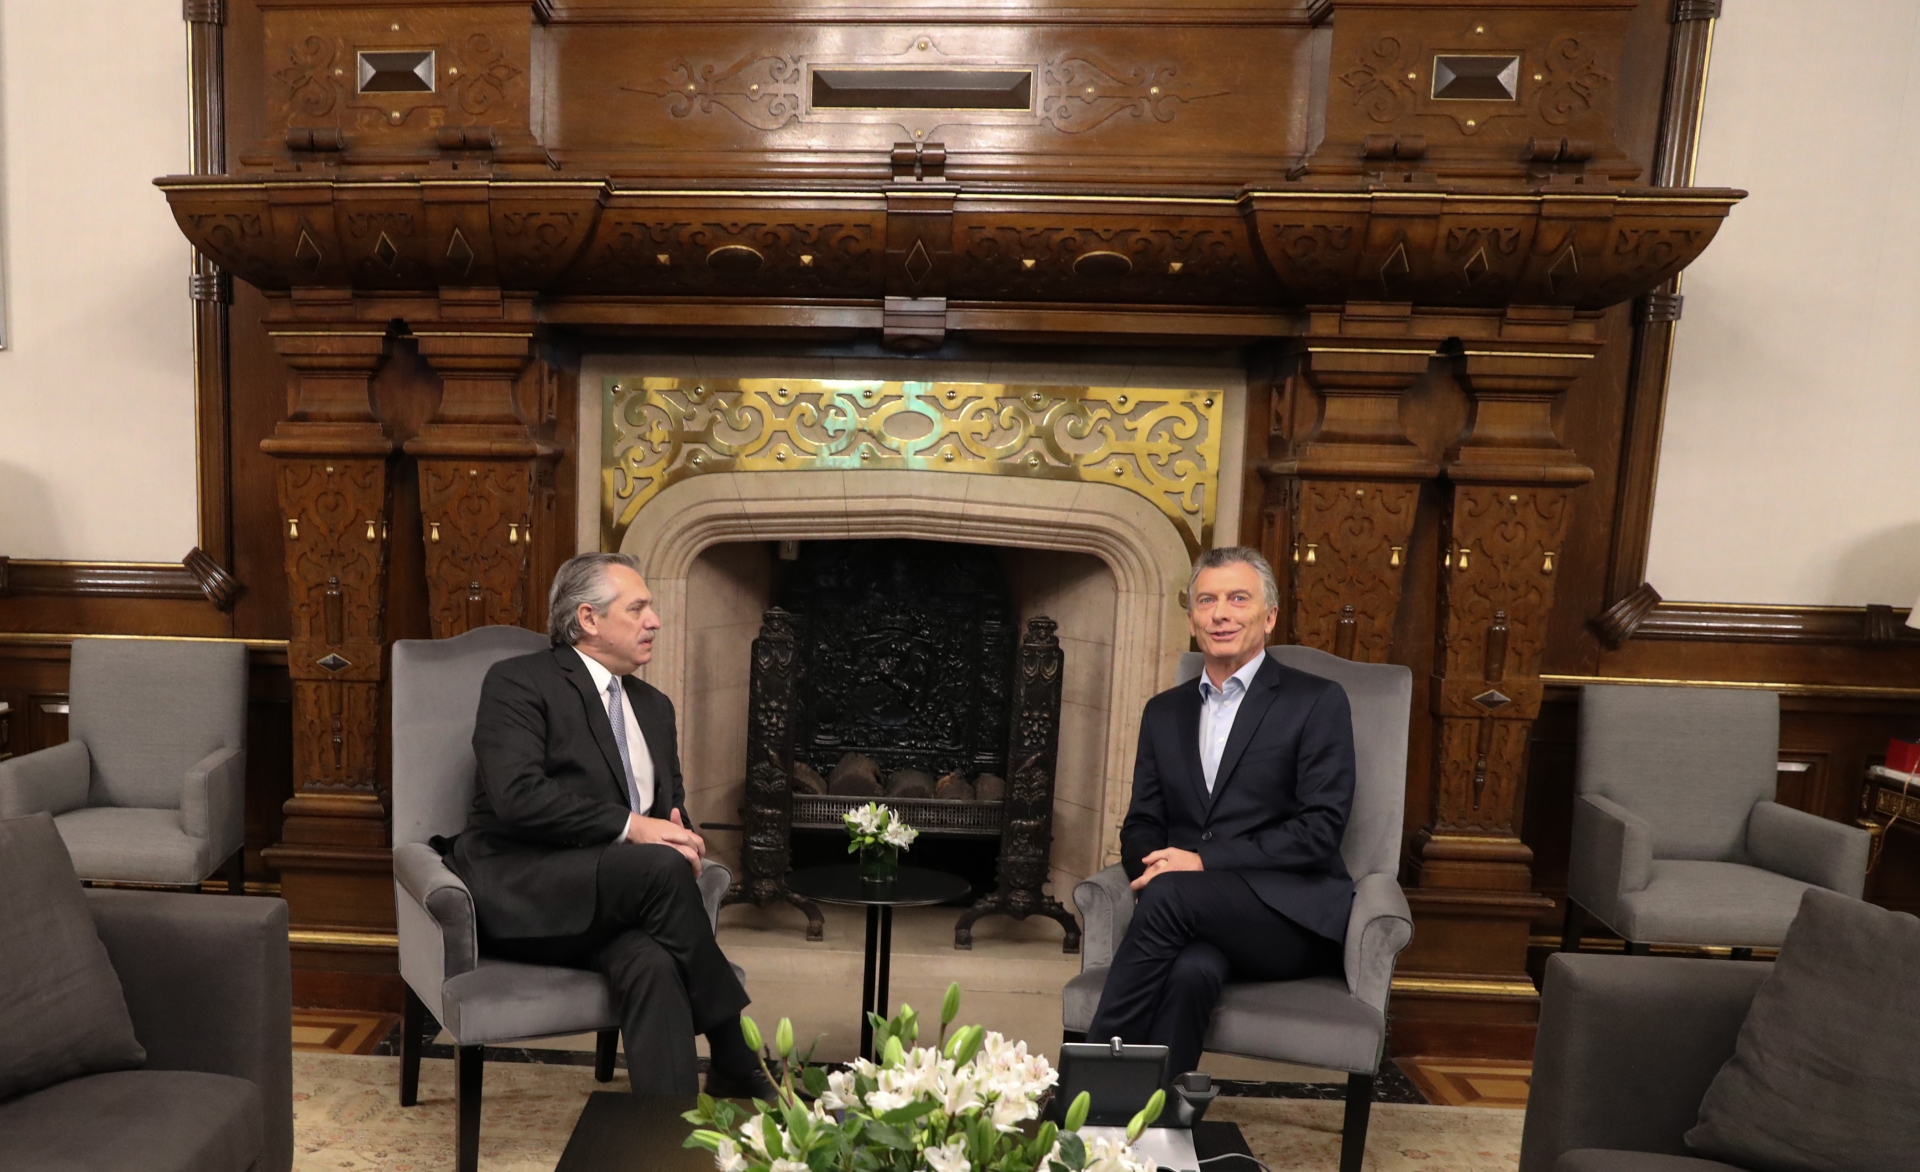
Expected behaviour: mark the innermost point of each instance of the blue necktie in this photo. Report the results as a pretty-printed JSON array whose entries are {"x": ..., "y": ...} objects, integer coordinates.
[{"x": 618, "y": 716}]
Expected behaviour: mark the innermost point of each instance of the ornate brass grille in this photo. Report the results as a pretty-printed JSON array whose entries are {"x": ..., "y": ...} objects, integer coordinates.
[{"x": 1162, "y": 444}]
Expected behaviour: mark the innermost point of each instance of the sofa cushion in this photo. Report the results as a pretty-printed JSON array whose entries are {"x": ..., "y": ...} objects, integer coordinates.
[
  {"x": 1604, "y": 1160},
  {"x": 62, "y": 1012},
  {"x": 1823, "y": 1076},
  {"x": 135, "y": 1121}
]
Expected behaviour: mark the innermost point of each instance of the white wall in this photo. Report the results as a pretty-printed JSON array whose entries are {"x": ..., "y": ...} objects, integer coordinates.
[
  {"x": 96, "y": 380},
  {"x": 1790, "y": 468}
]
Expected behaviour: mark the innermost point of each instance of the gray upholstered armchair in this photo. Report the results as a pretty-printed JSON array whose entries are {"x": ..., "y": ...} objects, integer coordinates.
[
  {"x": 478, "y": 1000},
  {"x": 1328, "y": 1022},
  {"x": 1676, "y": 836},
  {"x": 150, "y": 786}
]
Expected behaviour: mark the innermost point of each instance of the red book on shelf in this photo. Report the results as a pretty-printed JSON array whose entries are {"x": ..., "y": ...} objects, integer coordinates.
[{"x": 1903, "y": 756}]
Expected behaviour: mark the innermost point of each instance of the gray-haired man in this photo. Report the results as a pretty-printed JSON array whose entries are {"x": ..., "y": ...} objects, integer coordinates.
[{"x": 579, "y": 850}]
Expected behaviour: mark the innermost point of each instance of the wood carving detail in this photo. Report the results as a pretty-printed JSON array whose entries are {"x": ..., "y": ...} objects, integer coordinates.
[
  {"x": 1501, "y": 544},
  {"x": 1573, "y": 81},
  {"x": 336, "y": 513},
  {"x": 1375, "y": 81},
  {"x": 1349, "y": 556},
  {"x": 644, "y": 254},
  {"x": 478, "y": 537},
  {"x": 761, "y": 91},
  {"x": 1079, "y": 93},
  {"x": 1187, "y": 263}
]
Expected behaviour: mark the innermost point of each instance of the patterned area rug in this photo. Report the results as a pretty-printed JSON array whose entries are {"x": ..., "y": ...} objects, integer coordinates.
[{"x": 347, "y": 1118}]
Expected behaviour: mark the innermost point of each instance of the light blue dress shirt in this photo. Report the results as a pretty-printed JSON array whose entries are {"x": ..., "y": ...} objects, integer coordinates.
[{"x": 1218, "y": 707}]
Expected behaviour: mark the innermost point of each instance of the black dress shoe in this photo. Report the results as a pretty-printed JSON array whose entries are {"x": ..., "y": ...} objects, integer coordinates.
[{"x": 756, "y": 1085}]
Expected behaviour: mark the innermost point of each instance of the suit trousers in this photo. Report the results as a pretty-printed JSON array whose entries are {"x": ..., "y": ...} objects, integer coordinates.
[
  {"x": 1193, "y": 931},
  {"x": 651, "y": 939}
]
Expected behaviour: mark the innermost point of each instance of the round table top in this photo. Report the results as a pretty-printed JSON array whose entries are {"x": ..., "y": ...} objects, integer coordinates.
[{"x": 916, "y": 886}]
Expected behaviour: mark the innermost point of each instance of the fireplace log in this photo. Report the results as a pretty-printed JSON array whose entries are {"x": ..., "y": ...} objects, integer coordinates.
[{"x": 1026, "y": 835}]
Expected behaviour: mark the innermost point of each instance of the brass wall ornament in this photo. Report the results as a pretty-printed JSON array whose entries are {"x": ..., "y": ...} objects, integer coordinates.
[{"x": 1162, "y": 444}]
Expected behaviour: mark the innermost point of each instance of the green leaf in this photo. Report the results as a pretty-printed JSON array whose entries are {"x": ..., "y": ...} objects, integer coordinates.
[
  {"x": 709, "y": 1140},
  {"x": 771, "y": 1135},
  {"x": 750, "y": 1032},
  {"x": 1077, "y": 1113},
  {"x": 783, "y": 1038},
  {"x": 908, "y": 1113},
  {"x": 724, "y": 1113},
  {"x": 1074, "y": 1149},
  {"x": 814, "y": 1079},
  {"x": 889, "y": 1136},
  {"x": 1147, "y": 1115},
  {"x": 1043, "y": 1140}
]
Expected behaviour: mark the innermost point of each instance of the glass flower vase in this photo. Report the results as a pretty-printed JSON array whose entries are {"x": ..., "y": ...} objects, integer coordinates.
[{"x": 879, "y": 866}]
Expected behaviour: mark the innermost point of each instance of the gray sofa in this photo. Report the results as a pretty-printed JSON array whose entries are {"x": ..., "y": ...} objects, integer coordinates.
[
  {"x": 1626, "y": 1050},
  {"x": 208, "y": 986}
]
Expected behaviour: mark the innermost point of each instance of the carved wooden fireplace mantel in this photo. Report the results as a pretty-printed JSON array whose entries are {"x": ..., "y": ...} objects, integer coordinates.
[{"x": 1373, "y": 198}]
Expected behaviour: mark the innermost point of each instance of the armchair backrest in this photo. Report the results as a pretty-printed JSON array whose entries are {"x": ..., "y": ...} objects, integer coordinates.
[
  {"x": 1691, "y": 761},
  {"x": 436, "y": 690},
  {"x": 1381, "y": 697},
  {"x": 149, "y": 710}
]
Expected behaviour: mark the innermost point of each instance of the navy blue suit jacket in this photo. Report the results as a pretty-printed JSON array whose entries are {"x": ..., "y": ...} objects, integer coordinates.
[{"x": 1280, "y": 800}]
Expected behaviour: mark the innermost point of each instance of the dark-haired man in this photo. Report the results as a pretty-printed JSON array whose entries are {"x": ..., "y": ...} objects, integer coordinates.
[
  {"x": 579, "y": 850},
  {"x": 1241, "y": 792}
]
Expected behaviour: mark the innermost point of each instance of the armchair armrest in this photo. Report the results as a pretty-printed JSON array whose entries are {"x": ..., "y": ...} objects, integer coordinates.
[
  {"x": 1378, "y": 928},
  {"x": 1808, "y": 847},
  {"x": 715, "y": 879},
  {"x": 1626, "y": 1049},
  {"x": 1105, "y": 902},
  {"x": 51, "y": 781},
  {"x": 1612, "y": 856},
  {"x": 439, "y": 932},
  {"x": 209, "y": 986},
  {"x": 213, "y": 801}
]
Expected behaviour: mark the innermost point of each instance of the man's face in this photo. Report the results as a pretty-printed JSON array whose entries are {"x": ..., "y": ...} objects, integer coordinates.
[
  {"x": 1229, "y": 612},
  {"x": 621, "y": 637}
]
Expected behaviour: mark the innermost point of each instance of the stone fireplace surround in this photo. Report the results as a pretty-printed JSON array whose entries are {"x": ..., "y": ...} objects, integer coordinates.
[{"x": 1099, "y": 559}]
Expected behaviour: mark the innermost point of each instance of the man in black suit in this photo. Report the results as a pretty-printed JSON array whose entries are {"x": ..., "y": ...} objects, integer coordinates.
[
  {"x": 579, "y": 850},
  {"x": 1241, "y": 792}
]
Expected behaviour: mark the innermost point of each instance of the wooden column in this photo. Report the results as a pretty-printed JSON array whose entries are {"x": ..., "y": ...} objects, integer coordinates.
[
  {"x": 485, "y": 478},
  {"x": 1341, "y": 503},
  {"x": 335, "y": 498},
  {"x": 1505, "y": 512}
]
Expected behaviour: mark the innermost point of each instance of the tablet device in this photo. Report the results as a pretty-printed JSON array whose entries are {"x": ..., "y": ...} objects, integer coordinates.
[{"x": 1118, "y": 1080}]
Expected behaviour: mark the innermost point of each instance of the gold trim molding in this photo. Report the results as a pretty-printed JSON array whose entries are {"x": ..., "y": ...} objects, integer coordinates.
[
  {"x": 312, "y": 938},
  {"x": 1161, "y": 444},
  {"x": 1847, "y": 691},
  {"x": 1458, "y": 987}
]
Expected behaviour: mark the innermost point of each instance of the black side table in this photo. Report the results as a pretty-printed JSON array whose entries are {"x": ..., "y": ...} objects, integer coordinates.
[{"x": 916, "y": 887}]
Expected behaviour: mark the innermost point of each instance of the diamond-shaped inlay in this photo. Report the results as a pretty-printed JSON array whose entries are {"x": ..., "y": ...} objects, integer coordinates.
[
  {"x": 1476, "y": 266},
  {"x": 460, "y": 253},
  {"x": 1492, "y": 698},
  {"x": 335, "y": 662},
  {"x": 919, "y": 264},
  {"x": 383, "y": 249},
  {"x": 1477, "y": 77},
  {"x": 307, "y": 253}
]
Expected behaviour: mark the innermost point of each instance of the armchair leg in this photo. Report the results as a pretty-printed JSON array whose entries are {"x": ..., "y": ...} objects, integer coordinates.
[
  {"x": 1575, "y": 925},
  {"x": 1353, "y": 1135},
  {"x": 604, "y": 1044},
  {"x": 413, "y": 1028},
  {"x": 466, "y": 1097},
  {"x": 237, "y": 873}
]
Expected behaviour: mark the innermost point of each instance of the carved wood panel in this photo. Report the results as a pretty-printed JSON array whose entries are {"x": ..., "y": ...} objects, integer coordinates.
[
  {"x": 1349, "y": 555},
  {"x": 478, "y": 519},
  {"x": 336, "y": 515}
]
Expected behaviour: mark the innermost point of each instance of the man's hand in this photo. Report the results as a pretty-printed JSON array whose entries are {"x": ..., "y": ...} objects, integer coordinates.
[
  {"x": 668, "y": 832},
  {"x": 1170, "y": 858}
]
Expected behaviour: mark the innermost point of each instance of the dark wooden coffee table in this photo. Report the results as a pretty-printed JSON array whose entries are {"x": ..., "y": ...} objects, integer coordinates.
[{"x": 619, "y": 1132}]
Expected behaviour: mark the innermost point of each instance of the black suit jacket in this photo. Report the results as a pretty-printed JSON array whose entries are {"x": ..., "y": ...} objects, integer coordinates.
[
  {"x": 1280, "y": 799},
  {"x": 550, "y": 795}
]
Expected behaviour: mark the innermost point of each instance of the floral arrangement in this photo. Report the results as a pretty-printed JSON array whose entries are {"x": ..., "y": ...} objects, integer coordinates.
[
  {"x": 957, "y": 1106},
  {"x": 874, "y": 825}
]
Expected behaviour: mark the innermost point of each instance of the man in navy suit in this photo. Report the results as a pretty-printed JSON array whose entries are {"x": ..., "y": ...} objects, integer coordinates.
[
  {"x": 1241, "y": 792},
  {"x": 579, "y": 850}
]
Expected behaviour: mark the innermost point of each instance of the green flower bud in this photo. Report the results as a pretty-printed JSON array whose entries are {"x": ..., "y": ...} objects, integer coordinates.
[
  {"x": 950, "y": 1004},
  {"x": 1077, "y": 1111},
  {"x": 1147, "y": 1115},
  {"x": 750, "y": 1032},
  {"x": 783, "y": 1038},
  {"x": 894, "y": 1055}
]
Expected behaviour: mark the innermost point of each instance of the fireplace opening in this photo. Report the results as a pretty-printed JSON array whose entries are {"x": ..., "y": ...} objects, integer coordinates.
[{"x": 962, "y": 684}]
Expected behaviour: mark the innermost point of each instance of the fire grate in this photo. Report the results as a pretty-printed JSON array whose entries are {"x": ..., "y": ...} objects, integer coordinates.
[{"x": 927, "y": 815}]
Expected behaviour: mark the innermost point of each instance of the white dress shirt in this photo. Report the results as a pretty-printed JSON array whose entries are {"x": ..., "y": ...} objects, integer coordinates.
[
  {"x": 639, "y": 759},
  {"x": 1218, "y": 706}
]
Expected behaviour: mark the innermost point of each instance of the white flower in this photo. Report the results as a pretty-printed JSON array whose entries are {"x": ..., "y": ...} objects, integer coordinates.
[
  {"x": 727, "y": 1158},
  {"x": 1105, "y": 1155},
  {"x": 797, "y": 1166},
  {"x": 899, "y": 834},
  {"x": 1011, "y": 1110},
  {"x": 750, "y": 1133},
  {"x": 950, "y": 1156},
  {"x": 868, "y": 819},
  {"x": 841, "y": 1093}
]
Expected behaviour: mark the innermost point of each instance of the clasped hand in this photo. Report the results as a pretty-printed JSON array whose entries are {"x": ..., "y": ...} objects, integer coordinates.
[
  {"x": 669, "y": 831},
  {"x": 1170, "y": 858}
]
